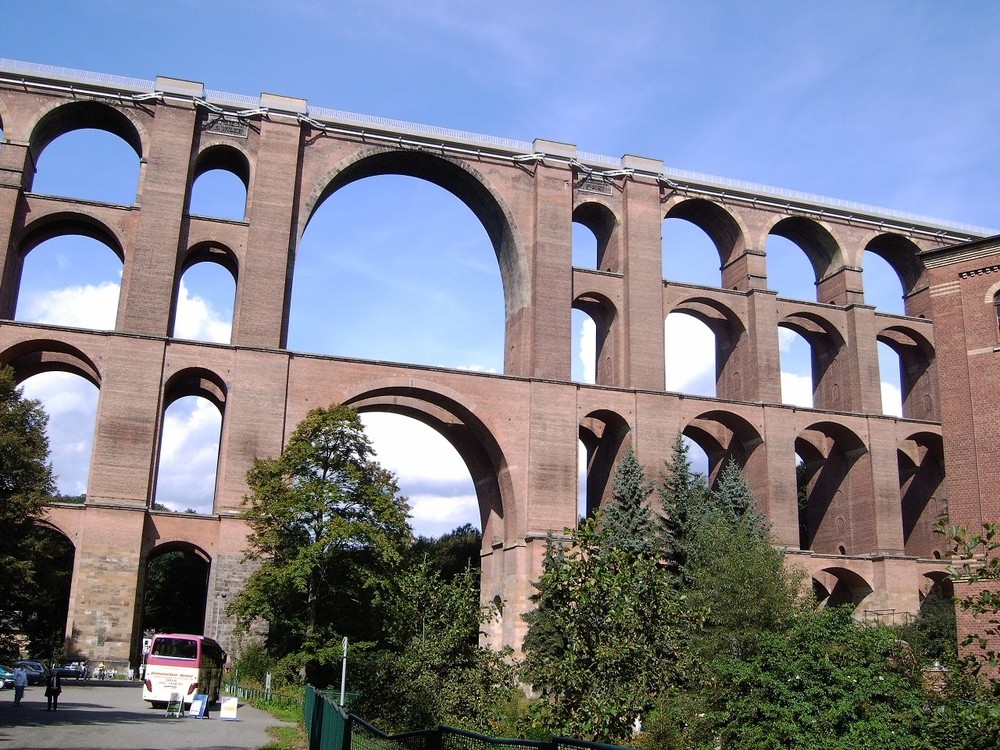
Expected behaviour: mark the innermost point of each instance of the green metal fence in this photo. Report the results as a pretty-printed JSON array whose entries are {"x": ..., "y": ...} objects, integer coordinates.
[{"x": 329, "y": 727}]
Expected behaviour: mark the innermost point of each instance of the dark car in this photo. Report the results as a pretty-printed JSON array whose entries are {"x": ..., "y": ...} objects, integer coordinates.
[
  {"x": 35, "y": 669},
  {"x": 6, "y": 677},
  {"x": 72, "y": 670}
]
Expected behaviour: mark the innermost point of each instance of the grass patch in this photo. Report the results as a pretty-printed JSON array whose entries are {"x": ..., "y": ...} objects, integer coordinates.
[{"x": 287, "y": 738}]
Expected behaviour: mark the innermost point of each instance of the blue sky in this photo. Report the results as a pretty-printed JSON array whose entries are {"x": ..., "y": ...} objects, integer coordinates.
[{"x": 894, "y": 104}]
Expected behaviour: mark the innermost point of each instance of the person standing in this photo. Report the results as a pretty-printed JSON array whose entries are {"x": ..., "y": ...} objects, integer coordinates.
[
  {"x": 53, "y": 687},
  {"x": 20, "y": 683}
]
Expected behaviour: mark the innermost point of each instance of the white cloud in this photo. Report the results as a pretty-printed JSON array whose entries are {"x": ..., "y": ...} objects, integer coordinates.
[
  {"x": 690, "y": 355},
  {"x": 796, "y": 389},
  {"x": 92, "y": 306},
  {"x": 429, "y": 471},
  {"x": 189, "y": 455},
  {"x": 434, "y": 516},
  {"x": 71, "y": 403},
  {"x": 588, "y": 349},
  {"x": 198, "y": 320},
  {"x": 892, "y": 400},
  {"x": 786, "y": 339}
]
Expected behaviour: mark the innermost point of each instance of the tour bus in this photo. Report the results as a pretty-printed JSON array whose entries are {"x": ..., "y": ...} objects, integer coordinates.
[{"x": 182, "y": 664}]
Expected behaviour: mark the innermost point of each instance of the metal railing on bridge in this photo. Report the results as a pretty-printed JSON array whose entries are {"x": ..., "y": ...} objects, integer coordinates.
[{"x": 329, "y": 727}]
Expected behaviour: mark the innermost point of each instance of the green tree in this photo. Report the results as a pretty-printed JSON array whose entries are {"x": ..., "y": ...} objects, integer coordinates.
[
  {"x": 44, "y": 616},
  {"x": 26, "y": 483},
  {"x": 824, "y": 683},
  {"x": 327, "y": 526},
  {"x": 609, "y": 634},
  {"x": 733, "y": 498},
  {"x": 977, "y": 570},
  {"x": 452, "y": 553},
  {"x": 628, "y": 522},
  {"x": 932, "y": 633},
  {"x": 683, "y": 497},
  {"x": 429, "y": 667}
]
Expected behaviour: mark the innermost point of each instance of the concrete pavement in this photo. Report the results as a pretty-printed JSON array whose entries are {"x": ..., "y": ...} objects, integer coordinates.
[{"x": 104, "y": 717}]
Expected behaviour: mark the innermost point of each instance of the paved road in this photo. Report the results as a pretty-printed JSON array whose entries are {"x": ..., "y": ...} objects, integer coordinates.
[{"x": 96, "y": 717}]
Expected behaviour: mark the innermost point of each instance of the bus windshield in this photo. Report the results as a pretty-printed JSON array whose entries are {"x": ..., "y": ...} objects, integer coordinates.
[{"x": 175, "y": 648}]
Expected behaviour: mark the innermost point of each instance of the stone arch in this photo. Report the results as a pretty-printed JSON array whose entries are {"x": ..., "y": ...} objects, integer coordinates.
[
  {"x": 35, "y": 356},
  {"x": 936, "y": 581},
  {"x": 201, "y": 383},
  {"x": 903, "y": 256},
  {"x": 211, "y": 252},
  {"x": 68, "y": 222},
  {"x": 208, "y": 251},
  {"x": 836, "y": 586},
  {"x": 835, "y": 488},
  {"x": 722, "y": 227},
  {"x": 53, "y": 525},
  {"x": 226, "y": 158},
  {"x": 923, "y": 496},
  {"x": 730, "y": 336},
  {"x": 604, "y": 313},
  {"x": 819, "y": 246},
  {"x": 605, "y": 435},
  {"x": 826, "y": 344},
  {"x": 196, "y": 381},
  {"x": 446, "y": 414},
  {"x": 601, "y": 220},
  {"x": 727, "y": 436},
  {"x": 197, "y": 586},
  {"x": 917, "y": 369},
  {"x": 65, "y": 118},
  {"x": 80, "y": 115},
  {"x": 472, "y": 188}
]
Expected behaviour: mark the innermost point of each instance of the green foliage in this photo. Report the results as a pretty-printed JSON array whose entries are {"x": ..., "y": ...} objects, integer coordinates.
[
  {"x": 327, "y": 528},
  {"x": 932, "y": 634},
  {"x": 26, "y": 483},
  {"x": 44, "y": 616},
  {"x": 978, "y": 564},
  {"x": 966, "y": 716},
  {"x": 738, "y": 578},
  {"x": 254, "y": 663},
  {"x": 71, "y": 499},
  {"x": 609, "y": 634},
  {"x": 628, "y": 521},
  {"x": 683, "y": 497},
  {"x": 429, "y": 667},
  {"x": 452, "y": 553},
  {"x": 825, "y": 682}
]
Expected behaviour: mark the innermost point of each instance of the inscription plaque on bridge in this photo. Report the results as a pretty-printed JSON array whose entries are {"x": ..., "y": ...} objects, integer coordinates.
[
  {"x": 228, "y": 126},
  {"x": 591, "y": 184}
]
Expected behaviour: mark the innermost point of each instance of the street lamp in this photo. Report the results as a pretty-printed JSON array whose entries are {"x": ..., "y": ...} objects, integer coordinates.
[
  {"x": 220, "y": 600},
  {"x": 343, "y": 674}
]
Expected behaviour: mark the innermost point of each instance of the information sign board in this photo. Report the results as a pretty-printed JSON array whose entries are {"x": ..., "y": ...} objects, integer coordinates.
[
  {"x": 229, "y": 706},
  {"x": 175, "y": 706},
  {"x": 199, "y": 706}
]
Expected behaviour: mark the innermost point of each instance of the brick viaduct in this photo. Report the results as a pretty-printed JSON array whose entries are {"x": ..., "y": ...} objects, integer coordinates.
[{"x": 876, "y": 483}]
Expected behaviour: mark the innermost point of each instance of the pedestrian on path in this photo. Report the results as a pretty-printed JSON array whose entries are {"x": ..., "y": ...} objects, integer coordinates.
[
  {"x": 53, "y": 687},
  {"x": 20, "y": 683}
]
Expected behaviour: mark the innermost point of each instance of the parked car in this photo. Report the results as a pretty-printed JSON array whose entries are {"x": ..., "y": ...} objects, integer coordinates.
[
  {"x": 36, "y": 671},
  {"x": 6, "y": 677},
  {"x": 71, "y": 670}
]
